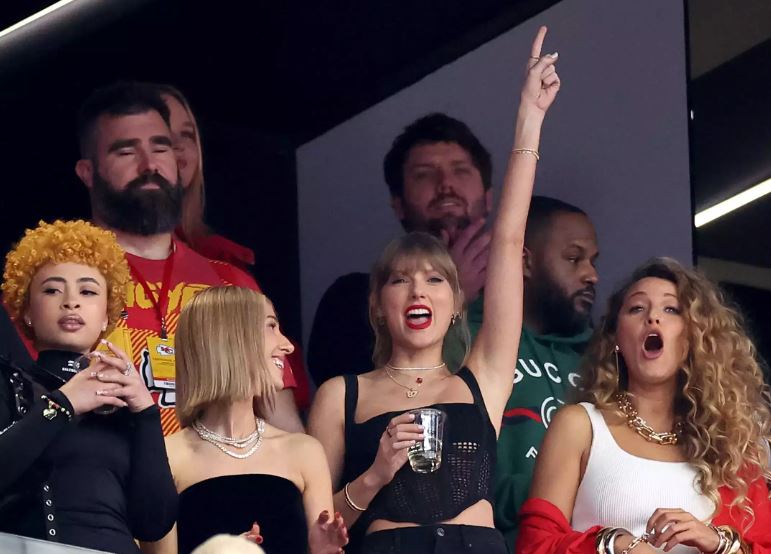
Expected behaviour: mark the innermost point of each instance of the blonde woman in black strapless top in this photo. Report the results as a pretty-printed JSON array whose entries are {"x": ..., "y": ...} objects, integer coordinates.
[
  {"x": 415, "y": 301},
  {"x": 231, "y": 468}
]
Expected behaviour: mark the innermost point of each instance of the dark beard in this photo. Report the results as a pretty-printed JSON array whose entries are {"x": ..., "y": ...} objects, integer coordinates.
[
  {"x": 414, "y": 221},
  {"x": 137, "y": 211},
  {"x": 557, "y": 311}
]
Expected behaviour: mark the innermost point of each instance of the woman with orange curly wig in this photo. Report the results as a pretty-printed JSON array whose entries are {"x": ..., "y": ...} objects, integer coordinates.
[
  {"x": 671, "y": 449},
  {"x": 71, "y": 468}
]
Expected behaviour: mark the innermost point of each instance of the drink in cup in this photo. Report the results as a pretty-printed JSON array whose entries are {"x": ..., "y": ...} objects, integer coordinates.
[{"x": 425, "y": 455}]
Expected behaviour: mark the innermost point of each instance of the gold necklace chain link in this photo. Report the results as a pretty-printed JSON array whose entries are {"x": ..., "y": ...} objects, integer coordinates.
[{"x": 634, "y": 421}]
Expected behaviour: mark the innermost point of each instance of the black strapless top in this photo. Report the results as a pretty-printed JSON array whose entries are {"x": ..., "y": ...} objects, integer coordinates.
[{"x": 232, "y": 503}]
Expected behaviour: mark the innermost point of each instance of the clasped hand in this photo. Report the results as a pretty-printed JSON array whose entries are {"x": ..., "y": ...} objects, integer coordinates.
[{"x": 108, "y": 381}]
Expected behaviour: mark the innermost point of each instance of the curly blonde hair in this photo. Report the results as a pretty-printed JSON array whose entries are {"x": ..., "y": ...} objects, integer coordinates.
[
  {"x": 723, "y": 401},
  {"x": 65, "y": 242}
]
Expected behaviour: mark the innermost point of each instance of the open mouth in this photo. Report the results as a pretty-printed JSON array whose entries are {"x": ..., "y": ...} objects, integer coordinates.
[
  {"x": 418, "y": 317},
  {"x": 653, "y": 346},
  {"x": 278, "y": 362}
]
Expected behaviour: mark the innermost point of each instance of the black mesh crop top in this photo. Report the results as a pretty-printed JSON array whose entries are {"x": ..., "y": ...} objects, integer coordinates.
[{"x": 464, "y": 477}]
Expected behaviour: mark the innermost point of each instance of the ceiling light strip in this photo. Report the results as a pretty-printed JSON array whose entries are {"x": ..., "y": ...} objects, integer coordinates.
[
  {"x": 734, "y": 203},
  {"x": 34, "y": 17}
]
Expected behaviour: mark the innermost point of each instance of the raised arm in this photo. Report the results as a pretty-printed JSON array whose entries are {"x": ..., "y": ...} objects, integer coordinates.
[{"x": 493, "y": 355}]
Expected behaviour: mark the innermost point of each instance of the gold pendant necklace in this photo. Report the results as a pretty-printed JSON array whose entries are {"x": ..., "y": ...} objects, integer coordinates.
[
  {"x": 412, "y": 392},
  {"x": 634, "y": 421}
]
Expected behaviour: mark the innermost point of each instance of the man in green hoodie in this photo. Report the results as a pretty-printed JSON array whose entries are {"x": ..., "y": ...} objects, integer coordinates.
[{"x": 560, "y": 276}]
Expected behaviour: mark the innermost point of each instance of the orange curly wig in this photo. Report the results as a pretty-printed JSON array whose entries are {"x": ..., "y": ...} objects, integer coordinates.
[{"x": 65, "y": 242}]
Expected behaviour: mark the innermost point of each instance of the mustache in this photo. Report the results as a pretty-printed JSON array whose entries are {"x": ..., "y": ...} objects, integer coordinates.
[
  {"x": 444, "y": 197},
  {"x": 150, "y": 178},
  {"x": 588, "y": 289}
]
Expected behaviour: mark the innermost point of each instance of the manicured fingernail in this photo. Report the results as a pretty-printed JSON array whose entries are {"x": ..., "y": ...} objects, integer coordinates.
[
  {"x": 93, "y": 374},
  {"x": 99, "y": 392},
  {"x": 258, "y": 540},
  {"x": 412, "y": 417},
  {"x": 555, "y": 55},
  {"x": 104, "y": 341}
]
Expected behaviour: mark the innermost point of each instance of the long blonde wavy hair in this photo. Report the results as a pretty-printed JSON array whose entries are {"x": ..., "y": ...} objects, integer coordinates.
[{"x": 723, "y": 402}]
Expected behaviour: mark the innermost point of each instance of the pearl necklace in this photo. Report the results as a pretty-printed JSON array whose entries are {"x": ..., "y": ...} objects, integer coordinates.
[
  {"x": 254, "y": 439},
  {"x": 634, "y": 421}
]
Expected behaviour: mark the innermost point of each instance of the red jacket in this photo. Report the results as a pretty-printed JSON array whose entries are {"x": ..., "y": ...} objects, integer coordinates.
[{"x": 544, "y": 529}]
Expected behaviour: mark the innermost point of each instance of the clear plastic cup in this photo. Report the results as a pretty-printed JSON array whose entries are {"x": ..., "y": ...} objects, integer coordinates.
[{"x": 425, "y": 456}]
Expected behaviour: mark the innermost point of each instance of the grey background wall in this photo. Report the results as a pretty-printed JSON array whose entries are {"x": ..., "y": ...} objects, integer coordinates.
[{"x": 615, "y": 143}]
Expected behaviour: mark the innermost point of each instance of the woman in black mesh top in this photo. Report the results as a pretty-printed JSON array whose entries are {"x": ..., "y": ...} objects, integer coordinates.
[{"x": 415, "y": 302}]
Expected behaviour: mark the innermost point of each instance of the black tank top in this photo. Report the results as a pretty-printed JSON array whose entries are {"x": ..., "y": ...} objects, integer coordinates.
[{"x": 463, "y": 479}]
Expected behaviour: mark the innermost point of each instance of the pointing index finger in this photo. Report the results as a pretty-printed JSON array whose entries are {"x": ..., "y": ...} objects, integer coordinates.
[{"x": 535, "y": 51}]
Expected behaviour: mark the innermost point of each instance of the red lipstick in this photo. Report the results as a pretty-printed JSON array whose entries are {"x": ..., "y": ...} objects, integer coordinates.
[{"x": 418, "y": 316}]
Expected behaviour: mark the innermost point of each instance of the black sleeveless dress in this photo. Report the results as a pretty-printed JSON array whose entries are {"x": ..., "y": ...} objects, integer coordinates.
[{"x": 232, "y": 503}]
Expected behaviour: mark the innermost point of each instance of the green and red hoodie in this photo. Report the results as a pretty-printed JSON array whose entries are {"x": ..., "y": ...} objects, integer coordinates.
[{"x": 545, "y": 378}]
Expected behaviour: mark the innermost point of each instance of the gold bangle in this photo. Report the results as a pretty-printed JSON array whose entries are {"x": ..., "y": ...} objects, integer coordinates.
[
  {"x": 605, "y": 538},
  {"x": 723, "y": 543},
  {"x": 349, "y": 501},
  {"x": 527, "y": 151}
]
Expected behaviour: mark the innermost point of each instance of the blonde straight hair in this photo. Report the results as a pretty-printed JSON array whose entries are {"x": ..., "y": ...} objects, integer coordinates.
[
  {"x": 417, "y": 250},
  {"x": 220, "y": 352},
  {"x": 194, "y": 200}
]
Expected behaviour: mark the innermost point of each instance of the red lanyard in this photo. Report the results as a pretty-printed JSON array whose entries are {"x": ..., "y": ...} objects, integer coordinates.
[{"x": 160, "y": 304}]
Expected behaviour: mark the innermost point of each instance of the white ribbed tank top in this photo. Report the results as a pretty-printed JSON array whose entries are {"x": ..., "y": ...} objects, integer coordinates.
[{"x": 623, "y": 490}]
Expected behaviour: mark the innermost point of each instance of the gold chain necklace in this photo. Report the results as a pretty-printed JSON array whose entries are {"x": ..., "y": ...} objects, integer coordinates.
[
  {"x": 415, "y": 368},
  {"x": 412, "y": 392},
  {"x": 634, "y": 421}
]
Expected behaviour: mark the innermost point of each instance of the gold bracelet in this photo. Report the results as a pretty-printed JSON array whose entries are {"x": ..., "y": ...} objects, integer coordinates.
[
  {"x": 53, "y": 408},
  {"x": 349, "y": 501},
  {"x": 605, "y": 538},
  {"x": 733, "y": 540},
  {"x": 723, "y": 543},
  {"x": 527, "y": 151},
  {"x": 636, "y": 542}
]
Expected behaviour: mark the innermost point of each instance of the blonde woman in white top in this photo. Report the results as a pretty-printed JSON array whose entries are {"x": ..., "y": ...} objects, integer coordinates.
[{"x": 671, "y": 450}]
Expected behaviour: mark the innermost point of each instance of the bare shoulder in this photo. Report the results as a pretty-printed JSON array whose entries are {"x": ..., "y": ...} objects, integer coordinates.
[
  {"x": 331, "y": 392},
  {"x": 179, "y": 449},
  {"x": 305, "y": 447},
  {"x": 571, "y": 423},
  {"x": 177, "y": 443}
]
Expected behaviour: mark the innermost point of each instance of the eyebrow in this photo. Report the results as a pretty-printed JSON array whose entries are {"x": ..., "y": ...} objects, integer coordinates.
[
  {"x": 80, "y": 280},
  {"x": 643, "y": 292},
  {"x": 129, "y": 143}
]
